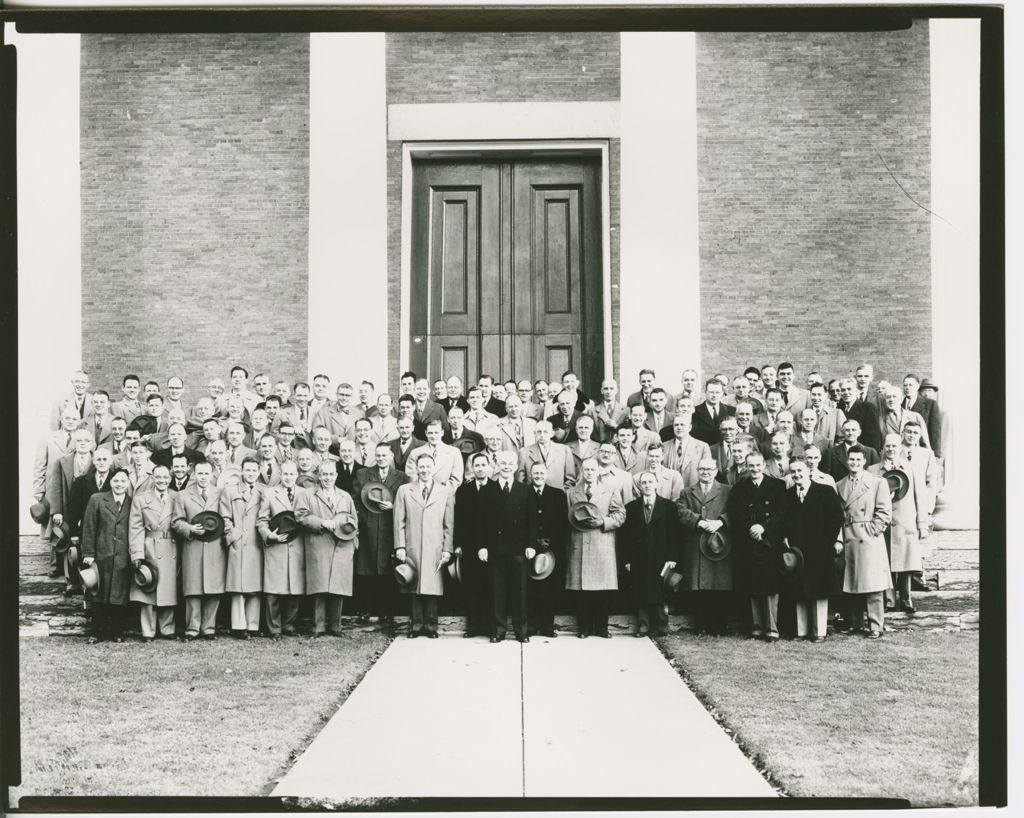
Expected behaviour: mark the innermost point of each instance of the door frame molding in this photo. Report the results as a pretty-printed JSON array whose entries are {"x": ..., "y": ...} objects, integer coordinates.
[{"x": 476, "y": 150}]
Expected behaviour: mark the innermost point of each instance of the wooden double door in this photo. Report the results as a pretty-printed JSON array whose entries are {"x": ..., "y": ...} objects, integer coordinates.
[{"x": 506, "y": 269}]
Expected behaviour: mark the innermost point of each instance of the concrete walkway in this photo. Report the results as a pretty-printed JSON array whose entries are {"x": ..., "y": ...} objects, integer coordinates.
[{"x": 565, "y": 717}]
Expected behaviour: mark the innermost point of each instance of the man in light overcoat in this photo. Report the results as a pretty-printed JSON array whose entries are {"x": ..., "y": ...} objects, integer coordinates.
[
  {"x": 149, "y": 537},
  {"x": 284, "y": 562}
]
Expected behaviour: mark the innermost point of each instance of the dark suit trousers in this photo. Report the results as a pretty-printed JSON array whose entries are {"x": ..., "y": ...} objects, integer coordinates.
[
  {"x": 592, "y": 609},
  {"x": 424, "y": 613},
  {"x": 508, "y": 592},
  {"x": 373, "y": 593},
  {"x": 541, "y": 597},
  {"x": 108, "y": 620},
  {"x": 476, "y": 588}
]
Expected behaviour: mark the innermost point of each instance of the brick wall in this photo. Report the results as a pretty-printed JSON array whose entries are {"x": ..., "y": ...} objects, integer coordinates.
[
  {"x": 502, "y": 67},
  {"x": 497, "y": 67},
  {"x": 195, "y": 183},
  {"x": 809, "y": 250}
]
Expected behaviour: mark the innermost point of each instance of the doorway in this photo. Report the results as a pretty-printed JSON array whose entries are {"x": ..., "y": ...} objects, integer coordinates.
[{"x": 506, "y": 267}]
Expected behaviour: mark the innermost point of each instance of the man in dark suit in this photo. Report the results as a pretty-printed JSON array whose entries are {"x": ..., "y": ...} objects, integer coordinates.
[
  {"x": 490, "y": 402},
  {"x": 651, "y": 537},
  {"x": 509, "y": 533},
  {"x": 465, "y": 440},
  {"x": 453, "y": 396},
  {"x": 864, "y": 412},
  {"x": 181, "y": 472},
  {"x": 563, "y": 422},
  {"x": 176, "y": 436},
  {"x": 406, "y": 442},
  {"x": 834, "y": 459},
  {"x": 426, "y": 410},
  {"x": 469, "y": 537},
  {"x": 755, "y": 511},
  {"x": 347, "y": 466},
  {"x": 706, "y": 415},
  {"x": 549, "y": 513},
  {"x": 926, "y": 408}
]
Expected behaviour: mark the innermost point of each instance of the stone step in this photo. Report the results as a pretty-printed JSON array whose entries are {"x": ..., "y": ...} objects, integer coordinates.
[
  {"x": 950, "y": 579},
  {"x": 952, "y": 559},
  {"x": 954, "y": 539}
]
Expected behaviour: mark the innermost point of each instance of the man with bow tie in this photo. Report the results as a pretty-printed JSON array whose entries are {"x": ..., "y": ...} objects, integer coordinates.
[
  {"x": 651, "y": 536},
  {"x": 284, "y": 563},
  {"x": 330, "y": 558},
  {"x": 339, "y": 417},
  {"x": 424, "y": 536},
  {"x": 149, "y": 537}
]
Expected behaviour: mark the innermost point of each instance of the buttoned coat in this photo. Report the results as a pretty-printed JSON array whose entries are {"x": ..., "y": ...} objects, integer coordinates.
[
  {"x": 550, "y": 521},
  {"x": 384, "y": 428},
  {"x": 866, "y": 414},
  {"x": 57, "y": 409},
  {"x": 99, "y": 428},
  {"x": 376, "y": 530},
  {"x": 425, "y": 529},
  {"x": 618, "y": 480},
  {"x": 105, "y": 539},
  {"x": 402, "y": 457},
  {"x": 329, "y": 559},
  {"x": 149, "y": 537},
  {"x": 867, "y": 510},
  {"x": 448, "y": 462},
  {"x": 52, "y": 447},
  {"x": 509, "y": 439},
  {"x": 926, "y": 470},
  {"x": 756, "y": 505},
  {"x": 693, "y": 452},
  {"x": 430, "y": 412},
  {"x": 892, "y": 423},
  {"x": 909, "y": 515},
  {"x": 813, "y": 526},
  {"x": 581, "y": 450},
  {"x": 929, "y": 410},
  {"x": 127, "y": 409},
  {"x": 58, "y": 492},
  {"x": 560, "y": 462},
  {"x": 648, "y": 546},
  {"x": 796, "y": 400},
  {"x": 706, "y": 429},
  {"x": 700, "y": 573},
  {"x": 284, "y": 563},
  {"x": 82, "y": 489},
  {"x": 564, "y": 430},
  {"x": 203, "y": 564},
  {"x": 591, "y": 563},
  {"x": 244, "y": 553}
]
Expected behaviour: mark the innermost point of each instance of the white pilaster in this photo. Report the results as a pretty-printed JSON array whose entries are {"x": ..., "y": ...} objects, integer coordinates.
[
  {"x": 659, "y": 255},
  {"x": 49, "y": 237},
  {"x": 955, "y": 67},
  {"x": 348, "y": 317}
]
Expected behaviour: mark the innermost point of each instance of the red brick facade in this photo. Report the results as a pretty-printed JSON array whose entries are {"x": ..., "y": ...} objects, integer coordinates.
[
  {"x": 809, "y": 250},
  {"x": 195, "y": 205}
]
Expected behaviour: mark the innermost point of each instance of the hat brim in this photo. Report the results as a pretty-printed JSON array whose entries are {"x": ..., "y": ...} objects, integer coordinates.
[
  {"x": 405, "y": 575},
  {"x": 154, "y": 573},
  {"x": 372, "y": 504},
  {"x": 454, "y": 569},
  {"x": 902, "y": 483},
  {"x": 787, "y": 569},
  {"x": 284, "y": 525},
  {"x": 90, "y": 578},
  {"x": 706, "y": 540},
  {"x": 581, "y": 512},
  {"x": 212, "y": 523},
  {"x": 546, "y": 562}
]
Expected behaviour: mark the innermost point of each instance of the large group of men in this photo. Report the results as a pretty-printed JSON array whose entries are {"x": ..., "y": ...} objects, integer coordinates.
[{"x": 260, "y": 494}]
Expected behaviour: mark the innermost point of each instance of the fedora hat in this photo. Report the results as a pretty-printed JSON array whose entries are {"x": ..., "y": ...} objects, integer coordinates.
[
  {"x": 673, "y": 579},
  {"x": 146, "y": 575},
  {"x": 212, "y": 523},
  {"x": 90, "y": 578},
  {"x": 898, "y": 482},
  {"x": 284, "y": 523},
  {"x": 584, "y": 514},
  {"x": 405, "y": 574},
  {"x": 454, "y": 568},
  {"x": 74, "y": 556},
  {"x": 927, "y": 383},
  {"x": 349, "y": 526},
  {"x": 146, "y": 424},
  {"x": 63, "y": 534},
  {"x": 375, "y": 493},
  {"x": 40, "y": 511},
  {"x": 542, "y": 565},
  {"x": 791, "y": 562},
  {"x": 715, "y": 546}
]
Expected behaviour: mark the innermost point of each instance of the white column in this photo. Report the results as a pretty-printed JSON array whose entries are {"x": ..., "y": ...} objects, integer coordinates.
[
  {"x": 348, "y": 208},
  {"x": 49, "y": 237},
  {"x": 659, "y": 255},
  {"x": 955, "y": 68}
]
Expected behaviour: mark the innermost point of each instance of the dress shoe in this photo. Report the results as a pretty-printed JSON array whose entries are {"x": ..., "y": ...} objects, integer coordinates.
[
  {"x": 288, "y": 631},
  {"x": 550, "y": 634},
  {"x": 771, "y": 638},
  {"x": 817, "y": 640},
  {"x": 93, "y": 640},
  {"x": 918, "y": 584},
  {"x": 874, "y": 635},
  {"x": 336, "y": 633},
  {"x": 208, "y": 637},
  {"x": 413, "y": 634},
  {"x": 468, "y": 635},
  {"x": 523, "y": 639},
  {"x": 147, "y": 638},
  {"x": 275, "y": 637},
  {"x": 582, "y": 635},
  {"x": 908, "y": 607},
  {"x": 119, "y": 639},
  {"x": 496, "y": 639},
  {"x": 188, "y": 637},
  {"x": 603, "y": 634},
  {"x": 431, "y": 634},
  {"x": 54, "y": 574}
]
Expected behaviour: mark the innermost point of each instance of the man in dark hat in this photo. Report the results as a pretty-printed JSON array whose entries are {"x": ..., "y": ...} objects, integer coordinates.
[
  {"x": 709, "y": 577},
  {"x": 650, "y": 537},
  {"x": 755, "y": 515},
  {"x": 811, "y": 522}
]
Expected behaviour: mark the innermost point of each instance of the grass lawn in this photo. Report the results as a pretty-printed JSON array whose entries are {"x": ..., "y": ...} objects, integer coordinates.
[
  {"x": 217, "y": 719},
  {"x": 897, "y": 717}
]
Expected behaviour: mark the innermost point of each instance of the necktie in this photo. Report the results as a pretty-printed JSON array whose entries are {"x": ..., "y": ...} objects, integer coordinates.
[
  {"x": 589, "y": 493},
  {"x": 679, "y": 450},
  {"x": 800, "y": 493},
  {"x": 647, "y": 510},
  {"x": 426, "y": 493},
  {"x": 910, "y": 455},
  {"x": 505, "y": 488},
  {"x": 363, "y": 450},
  {"x": 291, "y": 495},
  {"x": 248, "y": 493},
  {"x": 119, "y": 504},
  {"x": 99, "y": 481},
  {"x": 540, "y": 492},
  {"x": 785, "y": 396},
  {"x": 67, "y": 440},
  {"x": 202, "y": 493}
]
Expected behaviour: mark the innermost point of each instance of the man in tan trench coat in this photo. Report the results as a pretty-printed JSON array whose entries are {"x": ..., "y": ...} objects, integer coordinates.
[
  {"x": 867, "y": 509},
  {"x": 424, "y": 520},
  {"x": 329, "y": 556},
  {"x": 243, "y": 581},
  {"x": 284, "y": 563},
  {"x": 149, "y": 537}
]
